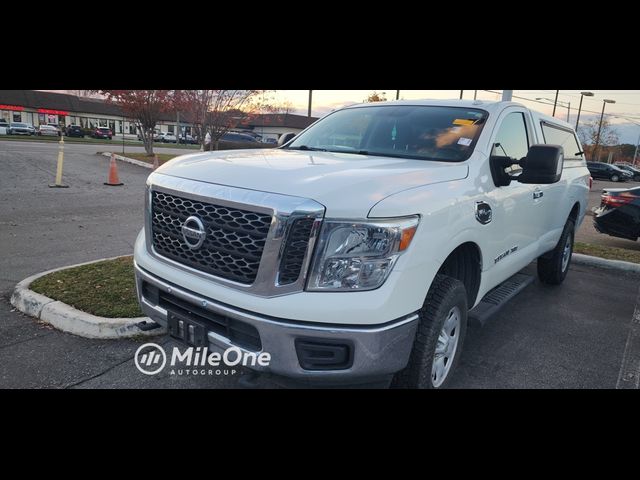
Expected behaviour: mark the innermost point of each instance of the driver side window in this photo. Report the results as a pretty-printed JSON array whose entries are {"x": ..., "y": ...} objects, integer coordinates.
[{"x": 512, "y": 139}]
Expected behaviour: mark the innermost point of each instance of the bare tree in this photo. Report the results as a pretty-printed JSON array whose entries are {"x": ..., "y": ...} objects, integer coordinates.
[
  {"x": 588, "y": 133},
  {"x": 228, "y": 109},
  {"x": 376, "y": 97},
  {"x": 194, "y": 105},
  {"x": 85, "y": 93},
  {"x": 144, "y": 107}
]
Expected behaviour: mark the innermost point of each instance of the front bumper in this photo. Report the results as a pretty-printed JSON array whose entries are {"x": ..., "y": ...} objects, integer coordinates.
[{"x": 378, "y": 351}]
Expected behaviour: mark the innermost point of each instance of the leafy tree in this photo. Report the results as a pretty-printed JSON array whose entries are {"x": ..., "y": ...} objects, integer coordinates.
[{"x": 145, "y": 108}]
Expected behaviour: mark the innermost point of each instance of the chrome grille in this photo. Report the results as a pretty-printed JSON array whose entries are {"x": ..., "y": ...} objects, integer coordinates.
[{"x": 234, "y": 243}]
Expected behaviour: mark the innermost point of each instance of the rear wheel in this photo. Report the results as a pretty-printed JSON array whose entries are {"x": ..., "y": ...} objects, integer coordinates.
[
  {"x": 554, "y": 266},
  {"x": 440, "y": 336},
  {"x": 615, "y": 178}
]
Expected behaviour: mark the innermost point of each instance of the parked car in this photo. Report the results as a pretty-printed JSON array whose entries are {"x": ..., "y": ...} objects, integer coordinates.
[
  {"x": 74, "y": 131},
  {"x": 57, "y": 127},
  {"x": 188, "y": 140},
  {"x": 608, "y": 172},
  {"x": 4, "y": 126},
  {"x": 19, "y": 128},
  {"x": 632, "y": 170},
  {"x": 48, "y": 130},
  {"x": 167, "y": 137},
  {"x": 102, "y": 132},
  {"x": 619, "y": 213},
  {"x": 271, "y": 141},
  {"x": 349, "y": 264}
]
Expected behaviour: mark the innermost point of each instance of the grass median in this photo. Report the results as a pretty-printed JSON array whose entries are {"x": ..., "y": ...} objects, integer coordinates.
[
  {"x": 610, "y": 253},
  {"x": 106, "y": 289}
]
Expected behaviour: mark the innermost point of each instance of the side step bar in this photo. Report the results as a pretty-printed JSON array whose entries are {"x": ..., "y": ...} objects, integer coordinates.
[{"x": 497, "y": 298}]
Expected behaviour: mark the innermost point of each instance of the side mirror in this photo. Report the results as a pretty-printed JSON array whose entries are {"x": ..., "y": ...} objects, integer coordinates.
[
  {"x": 286, "y": 138},
  {"x": 542, "y": 165}
]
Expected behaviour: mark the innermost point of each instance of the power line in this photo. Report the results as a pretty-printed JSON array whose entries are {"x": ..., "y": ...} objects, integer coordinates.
[{"x": 613, "y": 114}]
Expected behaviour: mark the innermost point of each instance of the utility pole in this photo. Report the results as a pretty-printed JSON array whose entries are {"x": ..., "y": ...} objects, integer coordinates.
[
  {"x": 461, "y": 92},
  {"x": 310, "y": 98},
  {"x": 555, "y": 102},
  {"x": 595, "y": 148},
  {"x": 636, "y": 152},
  {"x": 397, "y": 94}
]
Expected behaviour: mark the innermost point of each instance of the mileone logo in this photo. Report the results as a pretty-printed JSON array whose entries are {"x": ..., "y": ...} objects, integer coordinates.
[{"x": 151, "y": 359}]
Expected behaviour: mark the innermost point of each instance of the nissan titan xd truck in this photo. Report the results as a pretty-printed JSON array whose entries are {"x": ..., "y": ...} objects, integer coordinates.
[{"x": 358, "y": 251}]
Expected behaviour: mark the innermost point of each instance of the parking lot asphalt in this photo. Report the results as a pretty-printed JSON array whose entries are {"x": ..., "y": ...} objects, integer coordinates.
[
  {"x": 587, "y": 232},
  {"x": 572, "y": 336}
]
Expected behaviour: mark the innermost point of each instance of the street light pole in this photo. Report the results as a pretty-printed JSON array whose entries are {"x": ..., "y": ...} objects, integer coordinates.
[
  {"x": 461, "y": 92},
  {"x": 582, "y": 95},
  {"x": 595, "y": 148},
  {"x": 636, "y": 152},
  {"x": 397, "y": 94},
  {"x": 555, "y": 103}
]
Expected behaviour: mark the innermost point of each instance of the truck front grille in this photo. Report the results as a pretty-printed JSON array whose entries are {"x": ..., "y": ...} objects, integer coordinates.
[
  {"x": 295, "y": 250},
  {"x": 234, "y": 242}
]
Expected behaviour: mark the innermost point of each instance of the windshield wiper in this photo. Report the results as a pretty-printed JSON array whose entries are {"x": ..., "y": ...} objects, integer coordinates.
[{"x": 306, "y": 147}]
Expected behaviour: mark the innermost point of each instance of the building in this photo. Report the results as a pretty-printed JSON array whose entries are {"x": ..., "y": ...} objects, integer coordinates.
[{"x": 36, "y": 107}]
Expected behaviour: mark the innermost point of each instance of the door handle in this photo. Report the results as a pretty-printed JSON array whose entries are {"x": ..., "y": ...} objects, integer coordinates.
[{"x": 538, "y": 194}]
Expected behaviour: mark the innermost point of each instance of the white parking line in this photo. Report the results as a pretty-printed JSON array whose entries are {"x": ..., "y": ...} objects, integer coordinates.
[{"x": 629, "y": 377}]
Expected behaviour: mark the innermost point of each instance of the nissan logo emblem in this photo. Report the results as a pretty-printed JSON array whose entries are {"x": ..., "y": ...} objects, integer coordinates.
[{"x": 193, "y": 232}]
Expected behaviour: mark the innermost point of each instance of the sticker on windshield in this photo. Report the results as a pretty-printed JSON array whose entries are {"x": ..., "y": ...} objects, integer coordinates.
[
  {"x": 465, "y": 141},
  {"x": 462, "y": 121}
]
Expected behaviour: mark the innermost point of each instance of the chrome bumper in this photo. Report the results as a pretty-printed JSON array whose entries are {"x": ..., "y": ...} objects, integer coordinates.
[{"x": 377, "y": 351}]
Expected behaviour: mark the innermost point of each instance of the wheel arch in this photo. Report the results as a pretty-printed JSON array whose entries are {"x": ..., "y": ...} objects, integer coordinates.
[{"x": 464, "y": 263}]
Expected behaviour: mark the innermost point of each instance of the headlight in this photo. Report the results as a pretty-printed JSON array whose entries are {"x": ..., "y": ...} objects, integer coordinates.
[{"x": 359, "y": 256}]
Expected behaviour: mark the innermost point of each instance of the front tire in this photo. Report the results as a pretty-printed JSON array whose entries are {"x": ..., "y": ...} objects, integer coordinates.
[
  {"x": 440, "y": 336},
  {"x": 615, "y": 178},
  {"x": 553, "y": 267}
]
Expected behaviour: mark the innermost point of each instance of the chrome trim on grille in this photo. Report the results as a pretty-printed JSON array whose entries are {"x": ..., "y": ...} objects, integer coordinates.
[{"x": 284, "y": 210}]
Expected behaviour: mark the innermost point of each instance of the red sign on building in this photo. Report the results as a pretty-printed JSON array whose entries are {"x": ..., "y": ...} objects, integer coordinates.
[
  {"x": 53, "y": 112},
  {"x": 14, "y": 108}
]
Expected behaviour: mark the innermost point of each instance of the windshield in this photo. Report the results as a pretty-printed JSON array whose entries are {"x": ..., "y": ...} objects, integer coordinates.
[{"x": 405, "y": 131}]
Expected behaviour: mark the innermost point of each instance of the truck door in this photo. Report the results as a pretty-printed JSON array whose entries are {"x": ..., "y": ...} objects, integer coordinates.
[{"x": 517, "y": 220}]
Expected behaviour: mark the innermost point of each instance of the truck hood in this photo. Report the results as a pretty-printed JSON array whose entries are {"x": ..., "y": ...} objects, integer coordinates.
[{"x": 348, "y": 185}]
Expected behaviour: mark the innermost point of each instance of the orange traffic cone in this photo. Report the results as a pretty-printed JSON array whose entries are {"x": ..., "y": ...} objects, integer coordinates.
[
  {"x": 155, "y": 161},
  {"x": 114, "y": 181}
]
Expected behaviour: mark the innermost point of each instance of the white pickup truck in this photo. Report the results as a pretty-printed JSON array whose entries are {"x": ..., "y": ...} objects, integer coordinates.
[{"x": 358, "y": 251}]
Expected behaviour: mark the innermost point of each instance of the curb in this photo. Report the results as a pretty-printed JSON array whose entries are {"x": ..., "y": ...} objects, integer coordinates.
[
  {"x": 71, "y": 320},
  {"x": 127, "y": 160},
  {"x": 598, "y": 262}
]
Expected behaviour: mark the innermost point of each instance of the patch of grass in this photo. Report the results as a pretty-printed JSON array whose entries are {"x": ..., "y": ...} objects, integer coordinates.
[
  {"x": 105, "y": 289},
  {"x": 611, "y": 253},
  {"x": 162, "y": 157}
]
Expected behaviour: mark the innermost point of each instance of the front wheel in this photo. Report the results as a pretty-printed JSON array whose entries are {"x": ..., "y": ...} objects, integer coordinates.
[
  {"x": 554, "y": 266},
  {"x": 440, "y": 336},
  {"x": 615, "y": 178}
]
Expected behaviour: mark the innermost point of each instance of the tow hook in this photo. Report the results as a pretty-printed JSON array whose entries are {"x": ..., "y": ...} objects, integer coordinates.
[{"x": 146, "y": 326}]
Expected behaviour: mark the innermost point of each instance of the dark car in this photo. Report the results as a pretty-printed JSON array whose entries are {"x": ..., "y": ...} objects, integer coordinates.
[
  {"x": 74, "y": 131},
  {"x": 102, "y": 132},
  {"x": 632, "y": 170},
  {"x": 17, "y": 128},
  {"x": 619, "y": 213},
  {"x": 608, "y": 172}
]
